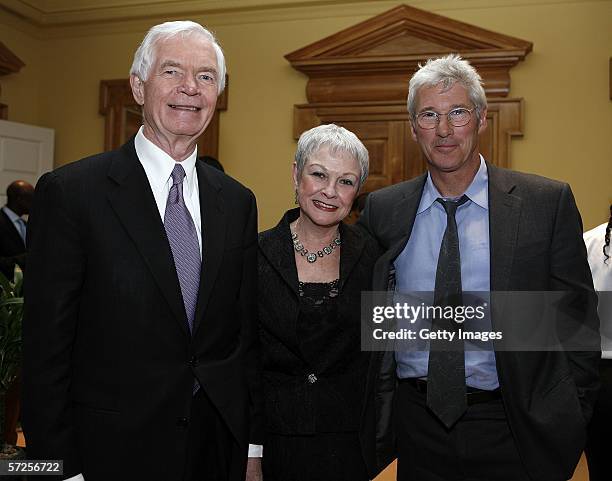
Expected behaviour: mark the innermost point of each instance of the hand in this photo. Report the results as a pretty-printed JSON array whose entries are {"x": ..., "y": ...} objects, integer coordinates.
[{"x": 253, "y": 472}]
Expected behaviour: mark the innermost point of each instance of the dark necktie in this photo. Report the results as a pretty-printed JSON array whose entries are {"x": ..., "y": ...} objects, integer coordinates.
[
  {"x": 181, "y": 232},
  {"x": 446, "y": 373}
]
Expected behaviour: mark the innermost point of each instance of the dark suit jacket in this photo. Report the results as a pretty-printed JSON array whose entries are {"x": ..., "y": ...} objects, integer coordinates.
[
  {"x": 535, "y": 245},
  {"x": 12, "y": 247},
  {"x": 333, "y": 402},
  {"x": 109, "y": 363}
]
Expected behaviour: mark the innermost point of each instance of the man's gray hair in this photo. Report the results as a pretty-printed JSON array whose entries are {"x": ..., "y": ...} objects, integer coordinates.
[
  {"x": 337, "y": 139},
  {"x": 144, "y": 58},
  {"x": 446, "y": 71}
]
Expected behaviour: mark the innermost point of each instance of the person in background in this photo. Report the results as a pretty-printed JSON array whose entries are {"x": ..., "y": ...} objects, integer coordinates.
[
  {"x": 13, "y": 226},
  {"x": 312, "y": 269},
  {"x": 139, "y": 333},
  {"x": 451, "y": 413},
  {"x": 357, "y": 208},
  {"x": 597, "y": 242}
]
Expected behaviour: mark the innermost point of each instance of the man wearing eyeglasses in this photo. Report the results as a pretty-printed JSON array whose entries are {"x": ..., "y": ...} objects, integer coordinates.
[{"x": 447, "y": 410}]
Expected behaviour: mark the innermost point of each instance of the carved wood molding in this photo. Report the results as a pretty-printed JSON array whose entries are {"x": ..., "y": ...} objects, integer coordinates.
[
  {"x": 359, "y": 78},
  {"x": 123, "y": 116},
  {"x": 9, "y": 62},
  {"x": 377, "y": 57}
]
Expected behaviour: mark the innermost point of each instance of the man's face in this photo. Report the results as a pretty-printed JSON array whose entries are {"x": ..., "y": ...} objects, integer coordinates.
[
  {"x": 447, "y": 148},
  {"x": 180, "y": 95}
]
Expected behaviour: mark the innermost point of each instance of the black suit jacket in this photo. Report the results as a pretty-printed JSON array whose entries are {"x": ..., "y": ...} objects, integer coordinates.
[
  {"x": 12, "y": 247},
  {"x": 535, "y": 245},
  {"x": 333, "y": 403},
  {"x": 109, "y": 363}
]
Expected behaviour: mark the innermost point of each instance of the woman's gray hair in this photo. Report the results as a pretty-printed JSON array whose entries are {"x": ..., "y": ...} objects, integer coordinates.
[
  {"x": 144, "y": 58},
  {"x": 337, "y": 139},
  {"x": 446, "y": 71}
]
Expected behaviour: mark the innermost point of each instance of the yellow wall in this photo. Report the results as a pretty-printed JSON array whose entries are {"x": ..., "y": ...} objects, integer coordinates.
[
  {"x": 22, "y": 91},
  {"x": 564, "y": 81}
]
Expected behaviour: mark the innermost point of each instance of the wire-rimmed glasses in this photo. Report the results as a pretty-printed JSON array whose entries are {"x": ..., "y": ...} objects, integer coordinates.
[{"x": 456, "y": 117}]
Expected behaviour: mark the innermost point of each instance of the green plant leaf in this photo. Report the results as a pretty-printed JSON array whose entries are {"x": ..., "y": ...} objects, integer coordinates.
[{"x": 11, "y": 318}]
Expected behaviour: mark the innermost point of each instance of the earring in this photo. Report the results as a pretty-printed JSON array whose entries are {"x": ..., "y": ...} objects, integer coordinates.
[{"x": 296, "y": 198}]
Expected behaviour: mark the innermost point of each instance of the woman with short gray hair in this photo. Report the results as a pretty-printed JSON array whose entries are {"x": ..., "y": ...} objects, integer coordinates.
[{"x": 312, "y": 269}]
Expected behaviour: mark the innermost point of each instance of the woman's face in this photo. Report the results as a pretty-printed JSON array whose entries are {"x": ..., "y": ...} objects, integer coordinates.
[{"x": 327, "y": 187}]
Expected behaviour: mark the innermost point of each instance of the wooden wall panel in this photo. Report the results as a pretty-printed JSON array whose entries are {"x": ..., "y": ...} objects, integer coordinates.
[
  {"x": 384, "y": 128},
  {"x": 358, "y": 78}
]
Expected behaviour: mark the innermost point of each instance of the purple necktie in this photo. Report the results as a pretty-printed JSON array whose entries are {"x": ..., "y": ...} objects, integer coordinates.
[{"x": 181, "y": 232}]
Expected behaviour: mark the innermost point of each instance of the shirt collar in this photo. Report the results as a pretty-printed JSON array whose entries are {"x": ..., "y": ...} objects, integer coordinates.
[
  {"x": 158, "y": 164},
  {"x": 477, "y": 192},
  {"x": 11, "y": 215}
]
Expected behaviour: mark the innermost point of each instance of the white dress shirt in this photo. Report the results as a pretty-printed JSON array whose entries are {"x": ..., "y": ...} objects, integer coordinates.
[
  {"x": 158, "y": 166},
  {"x": 602, "y": 280}
]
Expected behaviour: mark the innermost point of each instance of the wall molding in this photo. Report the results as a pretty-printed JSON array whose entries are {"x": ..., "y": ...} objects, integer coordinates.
[
  {"x": 358, "y": 78},
  {"x": 68, "y": 18}
]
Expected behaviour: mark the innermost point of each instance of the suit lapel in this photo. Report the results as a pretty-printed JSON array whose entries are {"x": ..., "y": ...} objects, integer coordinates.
[
  {"x": 504, "y": 215},
  {"x": 213, "y": 237},
  {"x": 402, "y": 221},
  {"x": 278, "y": 249},
  {"x": 350, "y": 252},
  {"x": 133, "y": 202},
  {"x": 276, "y": 246},
  {"x": 405, "y": 213}
]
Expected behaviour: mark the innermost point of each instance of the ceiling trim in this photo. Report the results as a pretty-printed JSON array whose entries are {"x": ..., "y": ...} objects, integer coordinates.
[
  {"x": 71, "y": 12},
  {"x": 63, "y": 18},
  {"x": 24, "y": 10}
]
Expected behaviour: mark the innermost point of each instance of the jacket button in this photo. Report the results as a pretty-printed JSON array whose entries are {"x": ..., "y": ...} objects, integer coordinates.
[
  {"x": 312, "y": 378},
  {"x": 193, "y": 362},
  {"x": 182, "y": 422}
]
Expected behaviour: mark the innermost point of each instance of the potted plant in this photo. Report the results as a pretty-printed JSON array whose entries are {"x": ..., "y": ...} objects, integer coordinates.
[{"x": 11, "y": 315}]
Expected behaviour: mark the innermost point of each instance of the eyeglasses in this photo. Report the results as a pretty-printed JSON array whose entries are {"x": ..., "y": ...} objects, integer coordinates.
[{"x": 457, "y": 118}]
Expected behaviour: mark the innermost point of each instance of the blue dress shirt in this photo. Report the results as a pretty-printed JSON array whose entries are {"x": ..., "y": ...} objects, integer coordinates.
[
  {"x": 415, "y": 270},
  {"x": 17, "y": 221}
]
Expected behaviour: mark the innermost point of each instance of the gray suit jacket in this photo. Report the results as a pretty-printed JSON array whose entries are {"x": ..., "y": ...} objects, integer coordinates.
[{"x": 535, "y": 245}]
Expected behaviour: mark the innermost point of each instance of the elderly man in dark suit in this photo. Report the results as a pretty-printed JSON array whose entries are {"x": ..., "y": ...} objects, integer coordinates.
[
  {"x": 451, "y": 413},
  {"x": 140, "y": 359}
]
